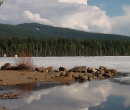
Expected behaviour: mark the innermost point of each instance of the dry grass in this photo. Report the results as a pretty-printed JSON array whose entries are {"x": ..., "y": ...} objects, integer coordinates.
[{"x": 24, "y": 62}]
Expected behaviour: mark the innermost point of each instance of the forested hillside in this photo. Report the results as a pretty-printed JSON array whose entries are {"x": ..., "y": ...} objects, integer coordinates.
[
  {"x": 63, "y": 47},
  {"x": 42, "y": 40},
  {"x": 43, "y": 31}
]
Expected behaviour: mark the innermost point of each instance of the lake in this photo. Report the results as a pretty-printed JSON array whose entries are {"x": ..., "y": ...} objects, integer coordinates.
[{"x": 109, "y": 94}]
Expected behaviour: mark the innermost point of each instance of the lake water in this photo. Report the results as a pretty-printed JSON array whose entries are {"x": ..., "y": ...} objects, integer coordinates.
[{"x": 107, "y": 94}]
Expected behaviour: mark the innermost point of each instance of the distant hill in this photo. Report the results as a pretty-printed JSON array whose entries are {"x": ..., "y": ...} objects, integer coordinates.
[{"x": 44, "y": 31}]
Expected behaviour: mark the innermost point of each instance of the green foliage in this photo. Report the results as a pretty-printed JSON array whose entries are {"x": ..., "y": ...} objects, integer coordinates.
[
  {"x": 63, "y": 47},
  {"x": 43, "y": 31},
  {"x": 42, "y": 40}
]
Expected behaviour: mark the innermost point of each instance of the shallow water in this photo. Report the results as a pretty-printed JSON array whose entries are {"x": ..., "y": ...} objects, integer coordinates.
[{"x": 107, "y": 94}]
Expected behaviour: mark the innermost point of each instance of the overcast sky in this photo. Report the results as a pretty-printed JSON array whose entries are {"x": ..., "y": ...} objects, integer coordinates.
[{"x": 105, "y": 16}]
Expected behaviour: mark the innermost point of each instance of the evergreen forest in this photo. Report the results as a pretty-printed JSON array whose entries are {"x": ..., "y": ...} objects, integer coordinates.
[
  {"x": 63, "y": 47},
  {"x": 40, "y": 40}
]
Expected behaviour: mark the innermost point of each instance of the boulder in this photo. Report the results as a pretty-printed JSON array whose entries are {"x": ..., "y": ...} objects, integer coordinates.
[
  {"x": 102, "y": 71},
  {"x": 113, "y": 71},
  {"x": 6, "y": 66},
  {"x": 76, "y": 75},
  {"x": 62, "y": 69},
  {"x": 40, "y": 69},
  {"x": 102, "y": 68},
  {"x": 81, "y": 69},
  {"x": 108, "y": 75},
  {"x": 70, "y": 74},
  {"x": 63, "y": 73},
  {"x": 57, "y": 74},
  {"x": 84, "y": 78},
  {"x": 99, "y": 75},
  {"x": 49, "y": 69},
  {"x": 91, "y": 70}
]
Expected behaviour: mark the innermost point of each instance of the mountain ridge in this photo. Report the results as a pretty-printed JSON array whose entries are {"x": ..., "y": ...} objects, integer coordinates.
[{"x": 45, "y": 31}]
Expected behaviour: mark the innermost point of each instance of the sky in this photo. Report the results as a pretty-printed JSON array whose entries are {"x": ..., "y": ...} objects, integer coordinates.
[{"x": 103, "y": 16}]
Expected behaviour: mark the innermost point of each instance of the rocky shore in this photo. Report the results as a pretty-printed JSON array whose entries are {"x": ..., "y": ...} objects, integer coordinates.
[{"x": 10, "y": 75}]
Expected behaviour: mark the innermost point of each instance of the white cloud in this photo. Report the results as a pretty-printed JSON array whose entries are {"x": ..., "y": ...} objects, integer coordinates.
[
  {"x": 88, "y": 19},
  {"x": 74, "y": 1},
  {"x": 121, "y": 24},
  {"x": 126, "y": 9},
  {"x": 82, "y": 96},
  {"x": 36, "y": 18},
  {"x": 74, "y": 14}
]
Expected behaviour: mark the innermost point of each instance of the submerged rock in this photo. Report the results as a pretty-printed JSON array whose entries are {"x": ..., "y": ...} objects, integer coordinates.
[
  {"x": 81, "y": 69},
  {"x": 9, "y": 95}
]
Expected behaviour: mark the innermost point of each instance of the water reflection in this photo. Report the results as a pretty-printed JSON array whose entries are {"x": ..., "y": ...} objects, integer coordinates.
[
  {"x": 74, "y": 97},
  {"x": 77, "y": 96},
  {"x": 26, "y": 89},
  {"x": 122, "y": 80}
]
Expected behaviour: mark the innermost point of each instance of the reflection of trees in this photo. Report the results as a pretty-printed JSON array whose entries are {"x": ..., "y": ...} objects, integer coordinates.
[
  {"x": 68, "y": 83},
  {"x": 26, "y": 89}
]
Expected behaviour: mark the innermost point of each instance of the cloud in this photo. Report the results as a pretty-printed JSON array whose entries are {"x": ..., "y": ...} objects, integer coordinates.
[
  {"x": 88, "y": 19},
  {"x": 126, "y": 9},
  {"x": 74, "y": 1},
  {"x": 121, "y": 24},
  {"x": 79, "y": 96},
  {"x": 36, "y": 18},
  {"x": 75, "y": 14}
]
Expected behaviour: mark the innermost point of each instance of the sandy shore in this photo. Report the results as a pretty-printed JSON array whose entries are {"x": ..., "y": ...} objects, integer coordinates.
[{"x": 13, "y": 77}]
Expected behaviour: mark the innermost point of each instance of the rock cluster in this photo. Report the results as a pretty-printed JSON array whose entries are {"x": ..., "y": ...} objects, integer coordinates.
[
  {"x": 7, "y": 66},
  {"x": 9, "y": 95},
  {"x": 81, "y": 73}
]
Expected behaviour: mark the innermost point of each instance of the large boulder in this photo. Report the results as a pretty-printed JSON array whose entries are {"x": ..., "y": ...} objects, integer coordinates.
[
  {"x": 63, "y": 73},
  {"x": 76, "y": 75},
  {"x": 6, "y": 66},
  {"x": 91, "y": 70},
  {"x": 70, "y": 74},
  {"x": 103, "y": 68},
  {"x": 40, "y": 69},
  {"x": 83, "y": 77},
  {"x": 62, "y": 69},
  {"x": 49, "y": 69},
  {"x": 113, "y": 71},
  {"x": 81, "y": 69},
  {"x": 102, "y": 71}
]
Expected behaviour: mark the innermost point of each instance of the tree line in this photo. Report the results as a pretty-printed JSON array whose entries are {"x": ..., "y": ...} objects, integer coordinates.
[{"x": 63, "y": 47}]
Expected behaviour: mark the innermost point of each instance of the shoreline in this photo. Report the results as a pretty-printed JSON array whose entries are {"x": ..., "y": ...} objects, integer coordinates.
[{"x": 14, "y": 77}]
